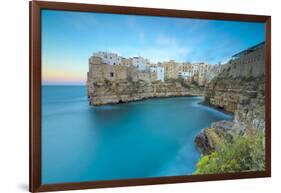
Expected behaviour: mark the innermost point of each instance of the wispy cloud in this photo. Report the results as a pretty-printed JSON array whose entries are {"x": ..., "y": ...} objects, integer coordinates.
[
  {"x": 162, "y": 48},
  {"x": 164, "y": 40},
  {"x": 132, "y": 22},
  {"x": 193, "y": 25},
  {"x": 169, "y": 47},
  {"x": 136, "y": 28},
  {"x": 83, "y": 21}
]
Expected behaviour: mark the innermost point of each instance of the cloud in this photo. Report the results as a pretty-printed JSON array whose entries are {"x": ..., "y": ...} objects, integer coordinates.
[
  {"x": 169, "y": 47},
  {"x": 221, "y": 51},
  {"x": 157, "y": 54},
  {"x": 161, "y": 48},
  {"x": 83, "y": 21},
  {"x": 166, "y": 40},
  {"x": 132, "y": 22},
  {"x": 136, "y": 28},
  {"x": 142, "y": 36},
  {"x": 193, "y": 26}
]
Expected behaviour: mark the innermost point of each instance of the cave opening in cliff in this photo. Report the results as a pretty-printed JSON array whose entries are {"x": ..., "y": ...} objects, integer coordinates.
[{"x": 120, "y": 101}]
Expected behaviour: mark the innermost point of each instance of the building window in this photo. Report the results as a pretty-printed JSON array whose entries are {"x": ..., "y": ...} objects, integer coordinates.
[{"x": 111, "y": 74}]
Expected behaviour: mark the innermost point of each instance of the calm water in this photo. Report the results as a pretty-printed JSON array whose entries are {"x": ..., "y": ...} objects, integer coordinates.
[{"x": 142, "y": 139}]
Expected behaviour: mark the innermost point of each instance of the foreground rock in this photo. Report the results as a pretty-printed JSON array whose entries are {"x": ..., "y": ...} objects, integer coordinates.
[{"x": 209, "y": 139}]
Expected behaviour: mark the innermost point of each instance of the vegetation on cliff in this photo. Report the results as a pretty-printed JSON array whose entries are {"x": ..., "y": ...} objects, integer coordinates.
[{"x": 244, "y": 153}]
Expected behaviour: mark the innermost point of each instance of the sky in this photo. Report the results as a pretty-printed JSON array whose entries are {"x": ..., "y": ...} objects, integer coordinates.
[{"x": 69, "y": 39}]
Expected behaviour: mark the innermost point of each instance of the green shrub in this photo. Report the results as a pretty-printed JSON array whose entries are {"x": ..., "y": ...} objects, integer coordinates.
[{"x": 245, "y": 153}]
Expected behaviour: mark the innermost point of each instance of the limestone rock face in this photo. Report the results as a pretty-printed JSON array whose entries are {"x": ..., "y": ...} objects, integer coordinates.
[
  {"x": 243, "y": 98},
  {"x": 111, "y": 92},
  {"x": 236, "y": 94},
  {"x": 238, "y": 89}
]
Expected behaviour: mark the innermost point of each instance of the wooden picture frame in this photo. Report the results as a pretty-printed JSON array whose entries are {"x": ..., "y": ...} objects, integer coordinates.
[{"x": 35, "y": 94}]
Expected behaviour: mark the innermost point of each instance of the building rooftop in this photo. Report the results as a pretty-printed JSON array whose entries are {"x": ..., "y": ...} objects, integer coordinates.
[{"x": 248, "y": 50}]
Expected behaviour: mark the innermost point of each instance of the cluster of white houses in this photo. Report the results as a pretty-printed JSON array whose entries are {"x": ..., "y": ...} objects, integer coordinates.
[{"x": 149, "y": 71}]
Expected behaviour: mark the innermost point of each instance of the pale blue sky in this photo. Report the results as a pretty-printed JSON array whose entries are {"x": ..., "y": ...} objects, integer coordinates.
[{"x": 70, "y": 38}]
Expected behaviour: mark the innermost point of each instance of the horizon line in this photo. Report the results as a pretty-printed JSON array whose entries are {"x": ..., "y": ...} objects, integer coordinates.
[{"x": 63, "y": 84}]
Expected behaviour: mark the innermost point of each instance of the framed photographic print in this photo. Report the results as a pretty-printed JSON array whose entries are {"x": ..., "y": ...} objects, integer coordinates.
[{"x": 123, "y": 96}]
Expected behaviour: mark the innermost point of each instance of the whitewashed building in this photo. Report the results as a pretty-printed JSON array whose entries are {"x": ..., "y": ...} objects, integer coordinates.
[
  {"x": 160, "y": 73},
  {"x": 157, "y": 73},
  {"x": 185, "y": 75},
  {"x": 195, "y": 69},
  {"x": 109, "y": 58},
  {"x": 141, "y": 63}
]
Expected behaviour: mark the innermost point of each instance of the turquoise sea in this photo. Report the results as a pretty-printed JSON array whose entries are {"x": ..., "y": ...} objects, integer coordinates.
[{"x": 143, "y": 139}]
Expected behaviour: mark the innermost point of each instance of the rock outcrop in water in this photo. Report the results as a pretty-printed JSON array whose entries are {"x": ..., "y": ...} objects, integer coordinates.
[{"x": 238, "y": 89}]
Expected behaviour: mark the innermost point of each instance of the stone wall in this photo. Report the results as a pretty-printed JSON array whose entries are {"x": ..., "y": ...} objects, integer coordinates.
[{"x": 110, "y": 72}]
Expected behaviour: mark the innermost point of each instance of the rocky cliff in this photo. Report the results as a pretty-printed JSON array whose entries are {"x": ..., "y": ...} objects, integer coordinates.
[
  {"x": 238, "y": 89},
  {"x": 110, "y": 92}
]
